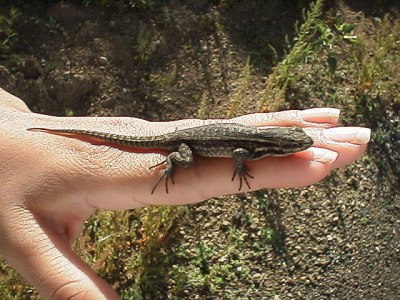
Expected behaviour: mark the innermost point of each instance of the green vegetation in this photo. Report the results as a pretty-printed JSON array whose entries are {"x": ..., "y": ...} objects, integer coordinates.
[
  {"x": 142, "y": 4},
  {"x": 146, "y": 44},
  {"x": 69, "y": 112},
  {"x": 165, "y": 79},
  {"x": 13, "y": 286},
  {"x": 283, "y": 74},
  {"x": 8, "y": 35},
  {"x": 377, "y": 60},
  {"x": 53, "y": 25},
  {"x": 134, "y": 238},
  {"x": 243, "y": 86}
]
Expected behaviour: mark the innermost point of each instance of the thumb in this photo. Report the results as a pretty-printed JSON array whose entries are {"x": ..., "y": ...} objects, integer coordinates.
[
  {"x": 45, "y": 259},
  {"x": 9, "y": 101}
]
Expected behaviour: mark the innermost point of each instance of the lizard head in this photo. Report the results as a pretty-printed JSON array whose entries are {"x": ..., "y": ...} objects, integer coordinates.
[{"x": 280, "y": 141}]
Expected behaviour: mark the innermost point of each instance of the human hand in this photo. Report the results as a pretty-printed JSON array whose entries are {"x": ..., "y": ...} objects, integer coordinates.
[{"x": 52, "y": 184}]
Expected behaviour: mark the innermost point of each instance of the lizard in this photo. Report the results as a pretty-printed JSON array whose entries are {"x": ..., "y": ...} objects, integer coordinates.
[{"x": 239, "y": 142}]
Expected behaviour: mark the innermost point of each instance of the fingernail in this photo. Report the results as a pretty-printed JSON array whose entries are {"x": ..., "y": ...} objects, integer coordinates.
[
  {"x": 354, "y": 135},
  {"x": 324, "y": 155},
  {"x": 318, "y": 113}
]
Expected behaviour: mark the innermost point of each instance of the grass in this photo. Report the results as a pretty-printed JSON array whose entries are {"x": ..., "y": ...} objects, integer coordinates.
[
  {"x": 131, "y": 238},
  {"x": 13, "y": 286},
  {"x": 214, "y": 267},
  {"x": 8, "y": 34},
  {"x": 165, "y": 79},
  {"x": 377, "y": 60},
  {"x": 203, "y": 111},
  {"x": 146, "y": 44},
  {"x": 243, "y": 86},
  {"x": 283, "y": 74}
]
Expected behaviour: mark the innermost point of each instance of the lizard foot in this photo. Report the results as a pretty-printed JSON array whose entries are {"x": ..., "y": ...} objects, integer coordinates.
[
  {"x": 243, "y": 173},
  {"x": 167, "y": 174}
]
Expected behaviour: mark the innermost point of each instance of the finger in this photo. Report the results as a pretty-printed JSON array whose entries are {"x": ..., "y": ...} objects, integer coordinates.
[
  {"x": 10, "y": 101},
  {"x": 315, "y": 117},
  {"x": 43, "y": 257},
  {"x": 318, "y": 117},
  {"x": 348, "y": 142},
  {"x": 212, "y": 177},
  {"x": 333, "y": 148}
]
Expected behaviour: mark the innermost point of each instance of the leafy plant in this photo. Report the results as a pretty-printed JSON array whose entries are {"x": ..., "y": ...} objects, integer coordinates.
[
  {"x": 8, "y": 35},
  {"x": 69, "y": 112},
  {"x": 201, "y": 261},
  {"x": 53, "y": 25},
  {"x": 146, "y": 44}
]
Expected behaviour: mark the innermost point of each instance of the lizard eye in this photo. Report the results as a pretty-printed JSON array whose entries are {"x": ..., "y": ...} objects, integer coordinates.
[{"x": 259, "y": 153}]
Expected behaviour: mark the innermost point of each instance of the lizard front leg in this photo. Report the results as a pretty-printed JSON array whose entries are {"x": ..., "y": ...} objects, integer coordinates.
[
  {"x": 182, "y": 158},
  {"x": 239, "y": 156}
]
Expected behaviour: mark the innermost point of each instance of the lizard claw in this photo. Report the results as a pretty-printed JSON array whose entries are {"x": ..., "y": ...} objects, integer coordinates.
[
  {"x": 243, "y": 173},
  {"x": 159, "y": 164},
  {"x": 158, "y": 181},
  {"x": 167, "y": 174}
]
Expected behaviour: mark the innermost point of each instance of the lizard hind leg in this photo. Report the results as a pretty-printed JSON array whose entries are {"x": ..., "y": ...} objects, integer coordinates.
[
  {"x": 182, "y": 158},
  {"x": 239, "y": 156}
]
